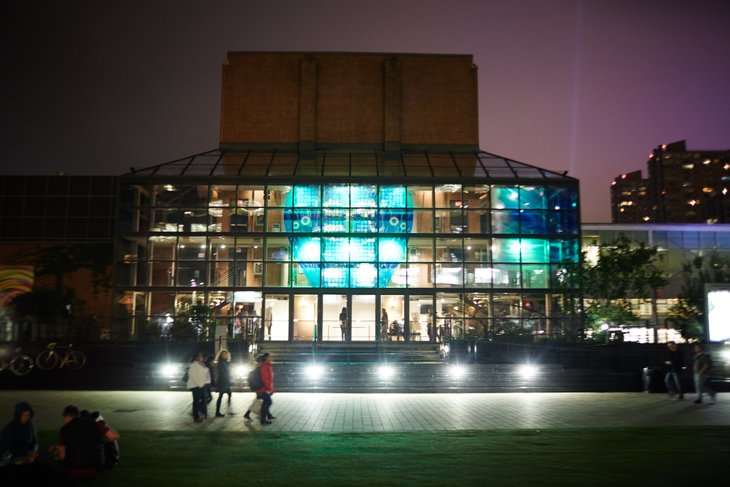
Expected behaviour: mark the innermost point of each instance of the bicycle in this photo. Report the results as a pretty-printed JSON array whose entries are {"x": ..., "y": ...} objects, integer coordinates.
[
  {"x": 18, "y": 364},
  {"x": 51, "y": 357}
]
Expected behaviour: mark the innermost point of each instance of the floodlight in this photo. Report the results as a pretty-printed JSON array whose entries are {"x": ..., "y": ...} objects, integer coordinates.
[
  {"x": 528, "y": 371},
  {"x": 240, "y": 371},
  {"x": 170, "y": 370},
  {"x": 386, "y": 372},
  {"x": 457, "y": 371},
  {"x": 314, "y": 371}
]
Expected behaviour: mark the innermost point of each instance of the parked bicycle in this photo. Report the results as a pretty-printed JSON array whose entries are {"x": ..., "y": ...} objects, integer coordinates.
[
  {"x": 18, "y": 364},
  {"x": 63, "y": 356}
]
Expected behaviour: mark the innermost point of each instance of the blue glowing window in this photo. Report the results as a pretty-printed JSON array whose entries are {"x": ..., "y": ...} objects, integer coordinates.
[
  {"x": 336, "y": 275},
  {"x": 334, "y": 220},
  {"x": 533, "y": 197},
  {"x": 336, "y": 195},
  {"x": 393, "y": 197},
  {"x": 305, "y": 196}
]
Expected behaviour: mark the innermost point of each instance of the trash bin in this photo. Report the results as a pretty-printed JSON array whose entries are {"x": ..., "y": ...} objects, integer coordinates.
[{"x": 652, "y": 379}]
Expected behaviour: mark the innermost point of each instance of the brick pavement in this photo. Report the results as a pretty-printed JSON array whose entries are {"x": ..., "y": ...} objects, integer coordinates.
[{"x": 350, "y": 413}]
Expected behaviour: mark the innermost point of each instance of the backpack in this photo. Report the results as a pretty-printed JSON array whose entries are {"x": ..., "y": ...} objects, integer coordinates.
[{"x": 254, "y": 379}]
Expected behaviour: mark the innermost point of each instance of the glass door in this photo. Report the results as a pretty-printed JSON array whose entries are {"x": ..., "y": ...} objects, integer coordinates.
[
  {"x": 394, "y": 307},
  {"x": 276, "y": 317},
  {"x": 363, "y": 318},
  {"x": 335, "y": 317},
  {"x": 305, "y": 317}
]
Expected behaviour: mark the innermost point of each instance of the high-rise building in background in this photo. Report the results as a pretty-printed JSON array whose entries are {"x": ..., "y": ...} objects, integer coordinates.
[{"x": 683, "y": 186}]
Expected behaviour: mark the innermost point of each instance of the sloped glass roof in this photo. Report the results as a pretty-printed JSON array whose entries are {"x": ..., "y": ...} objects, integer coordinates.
[{"x": 413, "y": 164}]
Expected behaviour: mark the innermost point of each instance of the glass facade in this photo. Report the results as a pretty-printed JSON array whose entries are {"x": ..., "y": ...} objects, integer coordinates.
[{"x": 431, "y": 256}]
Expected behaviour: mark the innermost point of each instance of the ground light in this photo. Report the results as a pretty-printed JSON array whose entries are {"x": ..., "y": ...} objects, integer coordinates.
[
  {"x": 170, "y": 370},
  {"x": 314, "y": 371},
  {"x": 527, "y": 371},
  {"x": 386, "y": 372},
  {"x": 457, "y": 371},
  {"x": 240, "y": 371}
]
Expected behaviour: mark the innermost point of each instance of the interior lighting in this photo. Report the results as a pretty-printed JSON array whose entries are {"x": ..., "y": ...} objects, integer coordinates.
[
  {"x": 386, "y": 372},
  {"x": 528, "y": 371}
]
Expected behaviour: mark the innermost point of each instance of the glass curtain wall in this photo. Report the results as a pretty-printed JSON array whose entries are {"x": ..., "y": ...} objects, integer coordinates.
[{"x": 464, "y": 259}]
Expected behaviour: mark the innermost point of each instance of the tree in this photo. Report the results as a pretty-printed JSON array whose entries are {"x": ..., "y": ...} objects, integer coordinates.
[
  {"x": 193, "y": 324},
  {"x": 58, "y": 305},
  {"x": 690, "y": 312},
  {"x": 624, "y": 269},
  {"x": 42, "y": 307}
]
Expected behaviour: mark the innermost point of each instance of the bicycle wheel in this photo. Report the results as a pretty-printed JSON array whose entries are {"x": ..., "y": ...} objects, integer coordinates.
[
  {"x": 75, "y": 360},
  {"x": 46, "y": 360},
  {"x": 21, "y": 365}
]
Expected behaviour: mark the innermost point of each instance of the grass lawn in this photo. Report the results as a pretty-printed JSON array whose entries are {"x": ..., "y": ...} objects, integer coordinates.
[{"x": 615, "y": 457}]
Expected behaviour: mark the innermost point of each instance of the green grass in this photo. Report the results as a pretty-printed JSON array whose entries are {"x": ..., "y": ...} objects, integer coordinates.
[{"x": 613, "y": 457}]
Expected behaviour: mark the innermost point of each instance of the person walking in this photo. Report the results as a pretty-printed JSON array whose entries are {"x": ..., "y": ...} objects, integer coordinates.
[
  {"x": 224, "y": 382},
  {"x": 266, "y": 390},
  {"x": 343, "y": 323},
  {"x": 198, "y": 378},
  {"x": 209, "y": 386},
  {"x": 675, "y": 366},
  {"x": 701, "y": 365}
]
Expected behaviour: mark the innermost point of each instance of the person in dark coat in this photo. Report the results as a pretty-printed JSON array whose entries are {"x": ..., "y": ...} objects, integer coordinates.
[
  {"x": 19, "y": 439},
  {"x": 675, "y": 366},
  {"x": 223, "y": 381},
  {"x": 20, "y": 462}
]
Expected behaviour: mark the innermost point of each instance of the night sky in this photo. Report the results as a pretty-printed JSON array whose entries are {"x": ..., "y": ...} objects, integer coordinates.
[{"x": 97, "y": 87}]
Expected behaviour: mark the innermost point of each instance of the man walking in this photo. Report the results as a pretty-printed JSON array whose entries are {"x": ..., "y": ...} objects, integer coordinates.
[
  {"x": 675, "y": 365},
  {"x": 701, "y": 366}
]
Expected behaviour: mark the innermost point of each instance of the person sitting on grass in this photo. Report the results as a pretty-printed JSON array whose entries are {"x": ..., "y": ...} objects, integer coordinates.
[
  {"x": 81, "y": 443},
  {"x": 19, "y": 439}
]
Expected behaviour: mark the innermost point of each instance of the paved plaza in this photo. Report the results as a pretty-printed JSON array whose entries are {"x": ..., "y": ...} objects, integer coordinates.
[{"x": 352, "y": 413}]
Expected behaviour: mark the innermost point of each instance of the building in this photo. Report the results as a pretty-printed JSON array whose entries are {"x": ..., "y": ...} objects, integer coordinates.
[
  {"x": 682, "y": 187},
  {"x": 50, "y": 215},
  {"x": 678, "y": 244},
  {"x": 348, "y": 189}
]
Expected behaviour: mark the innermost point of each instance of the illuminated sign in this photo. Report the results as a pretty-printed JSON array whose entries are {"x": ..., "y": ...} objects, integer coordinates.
[{"x": 718, "y": 310}]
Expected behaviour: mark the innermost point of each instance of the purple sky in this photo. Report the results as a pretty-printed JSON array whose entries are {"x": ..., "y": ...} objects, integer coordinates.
[{"x": 94, "y": 87}]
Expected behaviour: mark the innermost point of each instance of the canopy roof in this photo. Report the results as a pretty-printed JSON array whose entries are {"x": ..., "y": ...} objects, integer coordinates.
[{"x": 257, "y": 164}]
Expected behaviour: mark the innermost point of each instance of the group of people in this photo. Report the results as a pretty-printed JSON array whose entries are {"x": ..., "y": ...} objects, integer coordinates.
[
  {"x": 202, "y": 375},
  {"x": 199, "y": 380},
  {"x": 701, "y": 365},
  {"x": 86, "y": 446}
]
